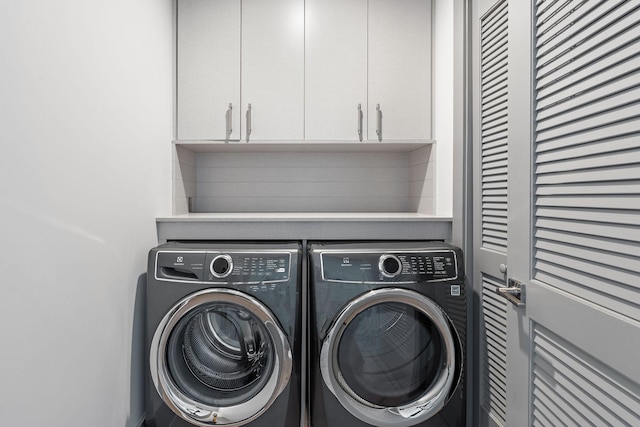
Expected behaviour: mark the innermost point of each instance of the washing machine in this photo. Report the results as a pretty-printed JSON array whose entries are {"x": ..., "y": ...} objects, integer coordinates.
[
  {"x": 387, "y": 333},
  {"x": 223, "y": 335}
]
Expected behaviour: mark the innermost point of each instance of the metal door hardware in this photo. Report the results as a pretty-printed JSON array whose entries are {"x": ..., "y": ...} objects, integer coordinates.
[
  {"x": 360, "y": 116},
  {"x": 515, "y": 292},
  {"x": 248, "y": 122},
  {"x": 228, "y": 118},
  {"x": 379, "y": 122}
]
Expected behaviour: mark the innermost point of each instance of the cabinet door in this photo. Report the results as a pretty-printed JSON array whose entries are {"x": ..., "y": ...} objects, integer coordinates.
[
  {"x": 400, "y": 68},
  {"x": 336, "y": 69},
  {"x": 273, "y": 69},
  {"x": 208, "y": 74}
]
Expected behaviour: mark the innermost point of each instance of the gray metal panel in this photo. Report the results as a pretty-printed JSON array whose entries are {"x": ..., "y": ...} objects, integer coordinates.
[
  {"x": 494, "y": 152},
  {"x": 587, "y": 161},
  {"x": 570, "y": 387},
  {"x": 493, "y": 352}
]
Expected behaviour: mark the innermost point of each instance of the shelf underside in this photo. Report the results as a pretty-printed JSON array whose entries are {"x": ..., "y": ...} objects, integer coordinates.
[
  {"x": 303, "y": 146},
  {"x": 305, "y": 226}
]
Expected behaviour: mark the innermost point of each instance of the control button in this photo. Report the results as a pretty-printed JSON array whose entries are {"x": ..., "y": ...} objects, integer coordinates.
[
  {"x": 390, "y": 266},
  {"x": 221, "y": 266}
]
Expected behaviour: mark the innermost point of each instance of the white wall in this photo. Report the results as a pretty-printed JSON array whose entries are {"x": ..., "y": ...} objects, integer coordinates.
[
  {"x": 85, "y": 131},
  {"x": 443, "y": 105}
]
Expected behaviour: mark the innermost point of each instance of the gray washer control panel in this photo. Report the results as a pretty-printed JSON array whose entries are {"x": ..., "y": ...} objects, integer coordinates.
[{"x": 223, "y": 267}]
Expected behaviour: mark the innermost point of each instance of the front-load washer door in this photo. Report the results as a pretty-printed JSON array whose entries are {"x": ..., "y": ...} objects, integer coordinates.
[
  {"x": 219, "y": 357},
  {"x": 390, "y": 358}
]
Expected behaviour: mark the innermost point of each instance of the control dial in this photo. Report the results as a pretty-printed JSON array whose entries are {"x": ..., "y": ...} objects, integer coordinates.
[
  {"x": 221, "y": 266},
  {"x": 390, "y": 266}
]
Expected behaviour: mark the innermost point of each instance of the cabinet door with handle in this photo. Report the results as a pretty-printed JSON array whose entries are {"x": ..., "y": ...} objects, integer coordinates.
[
  {"x": 272, "y": 70},
  {"x": 208, "y": 69},
  {"x": 336, "y": 70},
  {"x": 399, "y": 69}
]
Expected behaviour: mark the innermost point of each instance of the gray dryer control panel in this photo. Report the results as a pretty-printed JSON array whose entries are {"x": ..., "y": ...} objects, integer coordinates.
[{"x": 389, "y": 267}]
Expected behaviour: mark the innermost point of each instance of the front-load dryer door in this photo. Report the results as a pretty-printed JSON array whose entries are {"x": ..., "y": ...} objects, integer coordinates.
[
  {"x": 219, "y": 357},
  {"x": 390, "y": 358}
]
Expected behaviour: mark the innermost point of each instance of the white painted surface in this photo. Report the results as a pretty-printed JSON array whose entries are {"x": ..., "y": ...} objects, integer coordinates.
[
  {"x": 184, "y": 179},
  {"x": 302, "y": 182},
  {"x": 85, "y": 111},
  {"x": 273, "y": 69},
  {"x": 336, "y": 69},
  {"x": 443, "y": 126},
  {"x": 208, "y": 57},
  {"x": 400, "y": 68},
  {"x": 421, "y": 179},
  {"x": 304, "y": 177}
]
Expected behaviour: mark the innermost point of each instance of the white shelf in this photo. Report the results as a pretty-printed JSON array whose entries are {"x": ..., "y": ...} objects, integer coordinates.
[
  {"x": 304, "y": 217},
  {"x": 303, "y": 146},
  {"x": 305, "y": 226}
]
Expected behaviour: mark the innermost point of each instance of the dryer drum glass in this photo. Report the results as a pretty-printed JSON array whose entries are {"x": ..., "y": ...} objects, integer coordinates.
[
  {"x": 220, "y": 354},
  {"x": 390, "y": 354}
]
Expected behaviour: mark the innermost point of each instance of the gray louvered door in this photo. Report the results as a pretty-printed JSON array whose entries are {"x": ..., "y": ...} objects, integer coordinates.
[
  {"x": 573, "y": 218},
  {"x": 490, "y": 201},
  {"x": 584, "y": 299}
]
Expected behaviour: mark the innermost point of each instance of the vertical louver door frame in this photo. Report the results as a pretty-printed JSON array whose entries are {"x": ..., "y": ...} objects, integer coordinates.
[
  {"x": 494, "y": 126},
  {"x": 491, "y": 205},
  {"x": 493, "y": 352}
]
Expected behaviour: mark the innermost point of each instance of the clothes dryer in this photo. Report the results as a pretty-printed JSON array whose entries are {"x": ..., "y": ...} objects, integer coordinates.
[
  {"x": 387, "y": 334},
  {"x": 223, "y": 335}
]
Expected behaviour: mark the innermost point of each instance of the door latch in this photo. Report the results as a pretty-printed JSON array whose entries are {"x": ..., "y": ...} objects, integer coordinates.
[{"x": 514, "y": 292}]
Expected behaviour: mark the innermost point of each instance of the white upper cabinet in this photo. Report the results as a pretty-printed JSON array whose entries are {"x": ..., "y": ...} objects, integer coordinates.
[
  {"x": 336, "y": 69},
  {"x": 399, "y": 73},
  {"x": 208, "y": 72},
  {"x": 293, "y": 70},
  {"x": 232, "y": 54},
  {"x": 272, "y": 69}
]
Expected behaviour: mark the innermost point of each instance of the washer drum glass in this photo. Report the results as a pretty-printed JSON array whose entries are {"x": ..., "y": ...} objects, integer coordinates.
[
  {"x": 219, "y": 358},
  {"x": 220, "y": 354}
]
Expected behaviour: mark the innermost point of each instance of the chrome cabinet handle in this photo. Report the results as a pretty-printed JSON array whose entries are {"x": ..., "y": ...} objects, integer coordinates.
[
  {"x": 379, "y": 122},
  {"x": 248, "y": 122},
  {"x": 229, "y": 117},
  {"x": 360, "y": 116}
]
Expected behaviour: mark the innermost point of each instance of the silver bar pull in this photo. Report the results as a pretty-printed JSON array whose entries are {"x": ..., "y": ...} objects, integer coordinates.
[
  {"x": 248, "y": 122},
  {"x": 379, "y": 122},
  {"x": 360, "y": 116},
  {"x": 229, "y": 122},
  {"x": 514, "y": 293}
]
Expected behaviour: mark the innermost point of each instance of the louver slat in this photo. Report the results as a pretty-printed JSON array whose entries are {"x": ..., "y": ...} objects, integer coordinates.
[
  {"x": 587, "y": 145},
  {"x": 592, "y": 50},
  {"x": 494, "y": 122},
  {"x": 494, "y": 350},
  {"x": 574, "y": 388},
  {"x": 590, "y": 18},
  {"x": 587, "y": 100}
]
